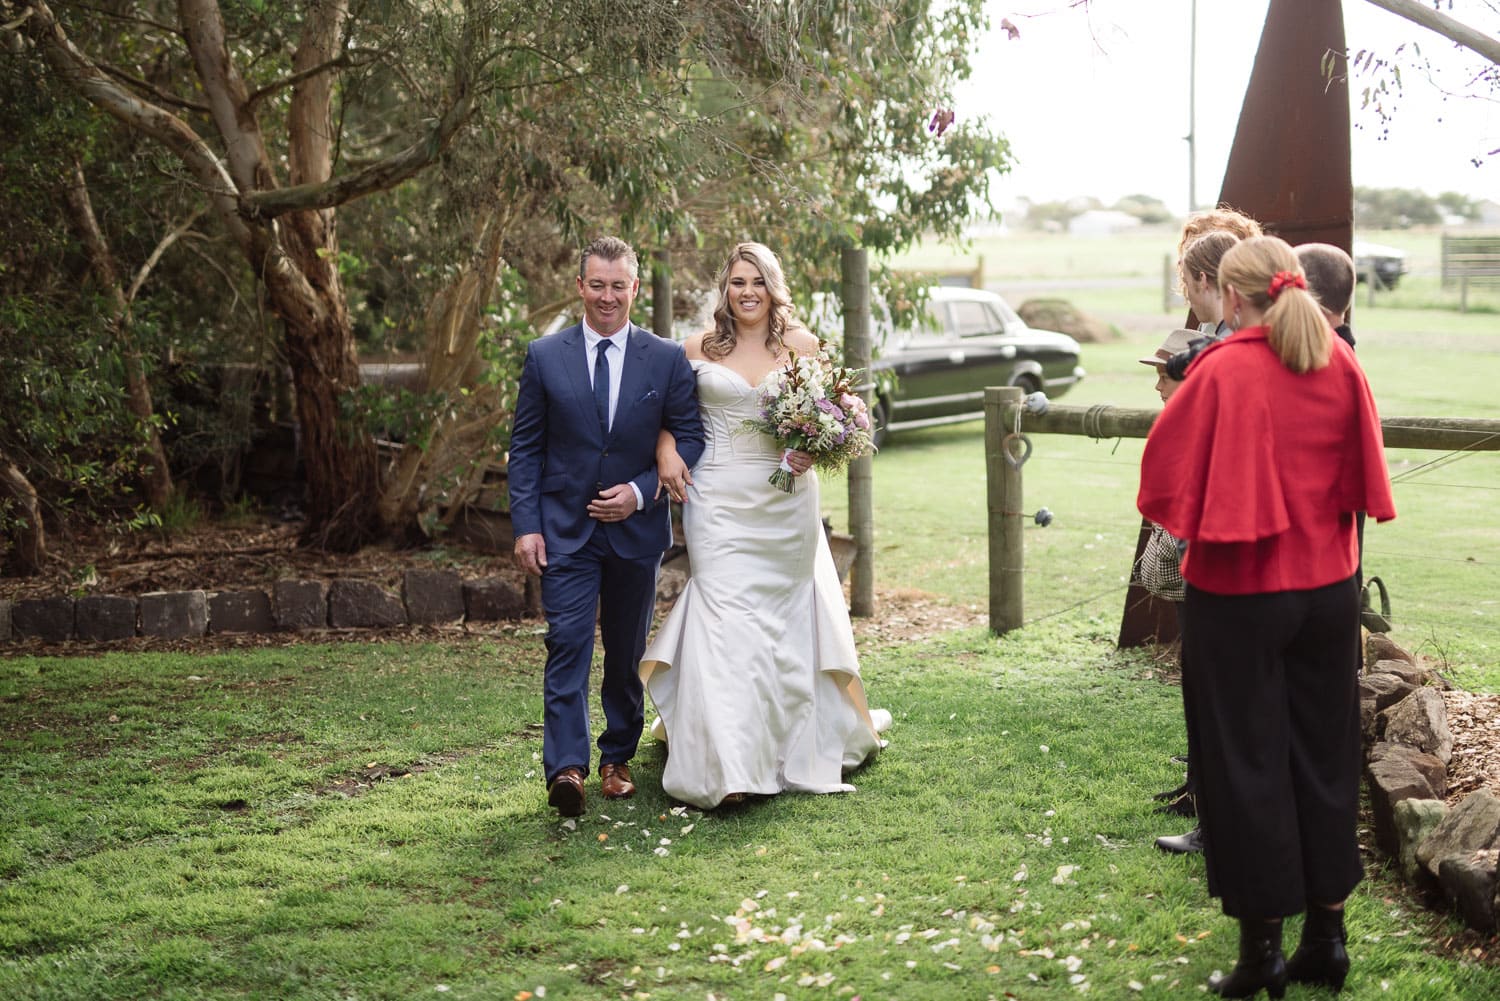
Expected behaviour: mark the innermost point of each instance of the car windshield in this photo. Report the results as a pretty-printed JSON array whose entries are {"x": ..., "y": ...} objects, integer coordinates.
[{"x": 1008, "y": 316}]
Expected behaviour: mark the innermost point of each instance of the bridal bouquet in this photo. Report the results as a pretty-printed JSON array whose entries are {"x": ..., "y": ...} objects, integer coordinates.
[{"x": 810, "y": 405}]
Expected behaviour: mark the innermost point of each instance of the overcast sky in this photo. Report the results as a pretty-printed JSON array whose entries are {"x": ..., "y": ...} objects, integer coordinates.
[{"x": 1095, "y": 102}]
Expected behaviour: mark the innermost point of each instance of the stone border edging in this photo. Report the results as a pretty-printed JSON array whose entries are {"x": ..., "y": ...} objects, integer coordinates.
[
  {"x": 1447, "y": 853},
  {"x": 427, "y": 597}
]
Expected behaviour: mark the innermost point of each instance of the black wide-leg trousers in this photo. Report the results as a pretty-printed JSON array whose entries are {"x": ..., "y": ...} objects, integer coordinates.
[{"x": 1275, "y": 747}]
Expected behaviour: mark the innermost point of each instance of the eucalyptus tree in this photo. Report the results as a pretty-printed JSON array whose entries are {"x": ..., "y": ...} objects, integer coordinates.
[
  {"x": 521, "y": 127},
  {"x": 259, "y": 103}
]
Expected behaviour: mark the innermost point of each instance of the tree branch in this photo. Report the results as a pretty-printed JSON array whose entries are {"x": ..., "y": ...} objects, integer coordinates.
[
  {"x": 1450, "y": 28},
  {"x": 13, "y": 25},
  {"x": 378, "y": 176},
  {"x": 161, "y": 248},
  {"x": 79, "y": 72},
  {"x": 165, "y": 29},
  {"x": 101, "y": 259},
  {"x": 340, "y": 62},
  {"x": 153, "y": 90},
  {"x": 309, "y": 118},
  {"x": 203, "y": 26}
]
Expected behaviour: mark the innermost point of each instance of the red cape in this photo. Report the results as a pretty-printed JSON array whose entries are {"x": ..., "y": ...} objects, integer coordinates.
[{"x": 1219, "y": 466}]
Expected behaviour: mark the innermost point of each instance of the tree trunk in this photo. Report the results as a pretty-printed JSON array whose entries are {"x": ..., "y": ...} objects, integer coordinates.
[
  {"x": 343, "y": 481},
  {"x": 343, "y": 476},
  {"x": 27, "y": 536},
  {"x": 137, "y": 388}
]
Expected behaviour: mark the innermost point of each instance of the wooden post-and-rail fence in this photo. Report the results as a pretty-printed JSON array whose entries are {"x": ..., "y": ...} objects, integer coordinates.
[{"x": 1006, "y": 420}]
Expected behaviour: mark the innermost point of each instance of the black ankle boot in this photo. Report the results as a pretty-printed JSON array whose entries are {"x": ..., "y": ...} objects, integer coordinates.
[
  {"x": 1321, "y": 957},
  {"x": 1261, "y": 963}
]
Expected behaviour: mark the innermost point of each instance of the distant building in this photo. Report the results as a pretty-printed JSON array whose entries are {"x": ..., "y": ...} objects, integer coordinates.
[
  {"x": 1489, "y": 213},
  {"x": 1101, "y": 222}
]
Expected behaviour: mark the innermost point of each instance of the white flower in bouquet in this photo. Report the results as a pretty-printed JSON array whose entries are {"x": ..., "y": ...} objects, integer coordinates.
[{"x": 809, "y": 405}]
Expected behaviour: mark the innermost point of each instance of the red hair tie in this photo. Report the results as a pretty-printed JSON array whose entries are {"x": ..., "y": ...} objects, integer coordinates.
[{"x": 1283, "y": 280}]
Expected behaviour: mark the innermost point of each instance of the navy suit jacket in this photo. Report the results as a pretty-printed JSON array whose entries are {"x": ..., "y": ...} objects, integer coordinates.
[{"x": 560, "y": 459}]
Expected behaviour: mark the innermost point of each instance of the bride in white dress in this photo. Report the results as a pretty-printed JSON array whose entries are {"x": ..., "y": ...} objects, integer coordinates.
[{"x": 754, "y": 673}]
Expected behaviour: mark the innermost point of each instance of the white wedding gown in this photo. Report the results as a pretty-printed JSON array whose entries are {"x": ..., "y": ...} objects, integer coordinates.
[{"x": 754, "y": 674}]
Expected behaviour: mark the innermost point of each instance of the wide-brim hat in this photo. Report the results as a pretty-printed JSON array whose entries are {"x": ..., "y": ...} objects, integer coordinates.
[{"x": 1176, "y": 341}]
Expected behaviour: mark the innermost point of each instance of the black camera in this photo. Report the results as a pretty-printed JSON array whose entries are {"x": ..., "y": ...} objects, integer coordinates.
[{"x": 1177, "y": 365}]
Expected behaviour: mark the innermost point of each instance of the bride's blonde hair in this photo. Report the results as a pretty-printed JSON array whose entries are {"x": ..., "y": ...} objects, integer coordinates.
[{"x": 721, "y": 340}]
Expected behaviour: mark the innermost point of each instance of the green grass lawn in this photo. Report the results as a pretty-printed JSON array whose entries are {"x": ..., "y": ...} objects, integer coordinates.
[
  {"x": 222, "y": 826},
  {"x": 368, "y": 821}
]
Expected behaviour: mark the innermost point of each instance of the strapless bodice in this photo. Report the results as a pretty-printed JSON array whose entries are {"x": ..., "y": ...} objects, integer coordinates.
[{"x": 726, "y": 401}]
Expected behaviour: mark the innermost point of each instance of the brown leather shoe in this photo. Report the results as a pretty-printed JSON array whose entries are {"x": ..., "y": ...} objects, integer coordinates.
[
  {"x": 565, "y": 792},
  {"x": 614, "y": 781}
]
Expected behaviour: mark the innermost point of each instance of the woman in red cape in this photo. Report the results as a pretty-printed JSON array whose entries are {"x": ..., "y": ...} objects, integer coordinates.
[{"x": 1260, "y": 462}]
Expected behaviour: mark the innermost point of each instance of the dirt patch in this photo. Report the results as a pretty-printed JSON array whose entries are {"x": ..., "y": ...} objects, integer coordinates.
[
  {"x": 219, "y": 557},
  {"x": 902, "y": 615}
]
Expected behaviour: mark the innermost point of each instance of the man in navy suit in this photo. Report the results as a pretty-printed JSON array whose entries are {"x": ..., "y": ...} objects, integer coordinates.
[{"x": 592, "y": 402}]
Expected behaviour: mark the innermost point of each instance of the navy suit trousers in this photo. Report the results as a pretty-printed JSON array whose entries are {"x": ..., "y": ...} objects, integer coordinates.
[{"x": 576, "y": 586}]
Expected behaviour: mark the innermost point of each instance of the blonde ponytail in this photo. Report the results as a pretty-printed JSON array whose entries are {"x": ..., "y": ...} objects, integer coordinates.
[{"x": 1265, "y": 273}]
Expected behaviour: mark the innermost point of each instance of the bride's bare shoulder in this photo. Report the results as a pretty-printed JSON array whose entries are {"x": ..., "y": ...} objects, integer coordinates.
[{"x": 693, "y": 346}]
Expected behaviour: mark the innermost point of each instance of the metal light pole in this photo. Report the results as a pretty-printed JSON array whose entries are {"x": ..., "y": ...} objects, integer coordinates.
[{"x": 1192, "y": 134}]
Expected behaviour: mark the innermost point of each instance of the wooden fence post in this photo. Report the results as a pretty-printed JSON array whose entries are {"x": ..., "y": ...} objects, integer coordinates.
[
  {"x": 1002, "y": 464},
  {"x": 855, "y": 265},
  {"x": 661, "y": 293}
]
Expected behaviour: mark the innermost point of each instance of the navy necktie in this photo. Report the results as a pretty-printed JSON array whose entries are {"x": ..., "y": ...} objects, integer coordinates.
[{"x": 601, "y": 383}]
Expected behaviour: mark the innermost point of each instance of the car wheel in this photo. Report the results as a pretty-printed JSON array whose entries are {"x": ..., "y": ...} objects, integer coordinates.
[
  {"x": 882, "y": 416},
  {"x": 1027, "y": 384}
]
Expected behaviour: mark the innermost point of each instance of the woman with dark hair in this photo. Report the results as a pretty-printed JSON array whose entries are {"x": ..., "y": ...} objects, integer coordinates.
[
  {"x": 1260, "y": 462},
  {"x": 754, "y": 673}
]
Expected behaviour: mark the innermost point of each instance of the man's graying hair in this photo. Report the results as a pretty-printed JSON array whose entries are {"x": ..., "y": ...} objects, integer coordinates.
[{"x": 609, "y": 248}]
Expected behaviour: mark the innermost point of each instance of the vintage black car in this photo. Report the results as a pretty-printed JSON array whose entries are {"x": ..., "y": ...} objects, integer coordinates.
[{"x": 936, "y": 373}]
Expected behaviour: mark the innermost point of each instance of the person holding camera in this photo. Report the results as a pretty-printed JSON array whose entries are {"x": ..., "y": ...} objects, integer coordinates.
[{"x": 1205, "y": 238}]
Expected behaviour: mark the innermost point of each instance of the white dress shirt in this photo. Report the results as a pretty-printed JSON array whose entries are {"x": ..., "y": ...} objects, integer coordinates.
[{"x": 618, "y": 341}]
